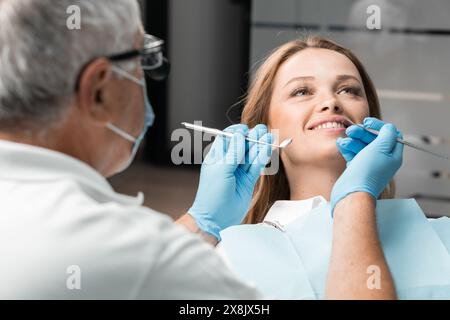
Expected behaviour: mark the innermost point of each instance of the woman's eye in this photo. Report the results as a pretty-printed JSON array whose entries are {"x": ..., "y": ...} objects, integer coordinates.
[
  {"x": 351, "y": 90},
  {"x": 301, "y": 92}
]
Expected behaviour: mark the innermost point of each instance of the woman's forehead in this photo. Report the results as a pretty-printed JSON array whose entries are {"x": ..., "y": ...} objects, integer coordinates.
[{"x": 318, "y": 63}]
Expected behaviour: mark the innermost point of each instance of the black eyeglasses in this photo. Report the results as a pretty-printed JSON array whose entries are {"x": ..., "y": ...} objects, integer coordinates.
[
  {"x": 154, "y": 64},
  {"x": 152, "y": 60}
]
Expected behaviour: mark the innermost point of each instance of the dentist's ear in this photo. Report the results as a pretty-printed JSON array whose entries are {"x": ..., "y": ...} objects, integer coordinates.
[{"x": 94, "y": 85}]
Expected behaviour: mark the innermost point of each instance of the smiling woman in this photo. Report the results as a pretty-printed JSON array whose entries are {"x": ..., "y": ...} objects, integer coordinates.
[
  {"x": 323, "y": 234},
  {"x": 309, "y": 90}
]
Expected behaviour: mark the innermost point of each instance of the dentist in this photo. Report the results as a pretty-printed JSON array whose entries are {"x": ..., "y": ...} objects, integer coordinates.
[{"x": 73, "y": 111}]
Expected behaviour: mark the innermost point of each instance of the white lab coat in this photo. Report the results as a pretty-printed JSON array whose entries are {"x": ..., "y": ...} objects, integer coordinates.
[{"x": 65, "y": 234}]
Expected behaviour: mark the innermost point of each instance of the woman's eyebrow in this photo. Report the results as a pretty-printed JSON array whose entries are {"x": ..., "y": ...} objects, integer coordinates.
[
  {"x": 299, "y": 78},
  {"x": 344, "y": 77}
]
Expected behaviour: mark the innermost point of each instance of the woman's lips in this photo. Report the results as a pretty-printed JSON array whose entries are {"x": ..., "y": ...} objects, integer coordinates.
[
  {"x": 328, "y": 130},
  {"x": 336, "y": 125},
  {"x": 330, "y": 122},
  {"x": 329, "y": 127}
]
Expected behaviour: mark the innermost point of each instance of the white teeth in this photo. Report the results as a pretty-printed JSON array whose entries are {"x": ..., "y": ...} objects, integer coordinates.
[{"x": 328, "y": 125}]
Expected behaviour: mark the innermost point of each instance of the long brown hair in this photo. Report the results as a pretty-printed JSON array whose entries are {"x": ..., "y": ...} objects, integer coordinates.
[{"x": 271, "y": 188}]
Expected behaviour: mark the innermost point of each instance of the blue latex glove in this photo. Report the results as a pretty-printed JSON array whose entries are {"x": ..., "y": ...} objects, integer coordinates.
[
  {"x": 228, "y": 177},
  {"x": 372, "y": 160}
]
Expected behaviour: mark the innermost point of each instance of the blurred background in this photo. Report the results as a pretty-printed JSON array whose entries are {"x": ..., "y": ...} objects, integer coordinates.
[{"x": 214, "y": 45}]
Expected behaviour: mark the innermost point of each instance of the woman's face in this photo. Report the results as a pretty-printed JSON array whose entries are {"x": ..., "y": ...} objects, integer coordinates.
[{"x": 315, "y": 92}]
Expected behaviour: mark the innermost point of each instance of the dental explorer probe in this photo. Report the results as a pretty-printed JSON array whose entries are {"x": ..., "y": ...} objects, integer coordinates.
[
  {"x": 218, "y": 132},
  {"x": 404, "y": 142}
]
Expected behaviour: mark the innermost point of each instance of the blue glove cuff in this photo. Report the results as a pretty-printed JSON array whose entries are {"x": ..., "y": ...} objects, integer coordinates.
[
  {"x": 335, "y": 200},
  {"x": 207, "y": 226}
]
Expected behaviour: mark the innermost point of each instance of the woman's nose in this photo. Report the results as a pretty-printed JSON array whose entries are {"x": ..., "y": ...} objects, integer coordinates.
[
  {"x": 330, "y": 105},
  {"x": 333, "y": 107}
]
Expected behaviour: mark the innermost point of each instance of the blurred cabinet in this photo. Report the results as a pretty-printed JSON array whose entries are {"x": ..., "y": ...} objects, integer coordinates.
[{"x": 207, "y": 43}]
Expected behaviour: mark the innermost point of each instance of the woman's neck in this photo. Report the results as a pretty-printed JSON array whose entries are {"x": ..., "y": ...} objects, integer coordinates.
[{"x": 307, "y": 181}]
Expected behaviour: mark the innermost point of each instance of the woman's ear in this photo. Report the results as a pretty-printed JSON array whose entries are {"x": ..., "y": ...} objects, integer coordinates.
[{"x": 94, "y": 84}]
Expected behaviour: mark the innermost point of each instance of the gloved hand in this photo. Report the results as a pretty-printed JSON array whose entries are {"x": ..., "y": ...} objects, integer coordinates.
[
  {"x": 228, "y": 177},
  {"x": 372, "y": 160}
]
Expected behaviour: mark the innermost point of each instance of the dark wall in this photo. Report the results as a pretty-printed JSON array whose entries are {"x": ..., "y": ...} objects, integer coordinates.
[
  {"x": 210, "y": 61},
  {"x": 156, "y": 146}
]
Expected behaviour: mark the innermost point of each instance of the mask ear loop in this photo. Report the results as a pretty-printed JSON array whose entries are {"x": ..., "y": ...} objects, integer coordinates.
[
  {"x": 126, "y": 75},
  {"x": 112, "y": 127},
  {"x": 121, "y": 133}
]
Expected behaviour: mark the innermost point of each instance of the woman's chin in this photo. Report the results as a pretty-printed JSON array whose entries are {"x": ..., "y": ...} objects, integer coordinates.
[
  {"x": 320, "y": 153},
  {"x": 330, "y": 153}
]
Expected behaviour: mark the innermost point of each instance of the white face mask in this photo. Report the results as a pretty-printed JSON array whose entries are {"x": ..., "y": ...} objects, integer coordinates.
[{"x": 149, "y": 117}]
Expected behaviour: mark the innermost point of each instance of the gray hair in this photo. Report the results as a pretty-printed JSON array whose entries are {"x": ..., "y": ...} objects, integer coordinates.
[{"x": 40, "y": 58}]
